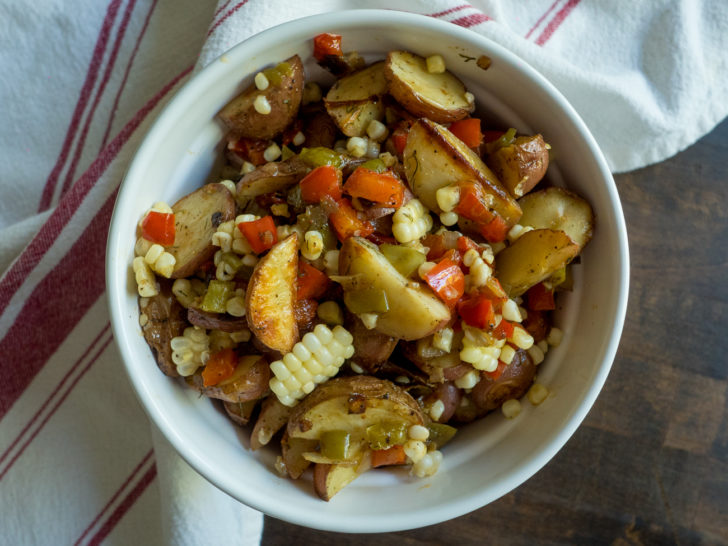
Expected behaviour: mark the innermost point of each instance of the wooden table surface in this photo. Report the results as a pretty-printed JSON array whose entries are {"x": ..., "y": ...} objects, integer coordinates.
[{"x": 649, "y": 465}]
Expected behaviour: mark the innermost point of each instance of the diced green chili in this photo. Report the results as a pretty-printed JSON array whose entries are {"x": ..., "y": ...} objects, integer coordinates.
[
  {"x": 440, "y": 433},
  {"x": 218, "y": 292},
  {"x": 319, "y": 156},
  {"x": 387, "y": 434},
  {"x": 376, "y": 165},
  {"x": 406, "y": 260},
  {"x": 506, "y": 139},
  {"x": 367, "y": 300},
  {"x": 335, "y": 444}
]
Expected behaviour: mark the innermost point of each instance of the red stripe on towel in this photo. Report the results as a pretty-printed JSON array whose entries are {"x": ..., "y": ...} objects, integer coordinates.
[
  {"x": 232, "y": 10},
  {"x": 44, "y": 405},
  {"x": 54, "y": 308},
  {"x": 471, "y": 20},
  {"x": 99, "y": 93},
  {"x": 126, "y": 75},
  {"x": 114, "y": 497},
  {"x": 220, "y": 9},
  {"x": 124, "y": 507},
  {"x": 541, "y": 19},
  {"x": 449, "y": 11},
  {"x": 55, "y": 408},
  {"x": 88, "y": 85},
  {"x": 65, "y": 210},
  {"x": 556, "y": 22}
]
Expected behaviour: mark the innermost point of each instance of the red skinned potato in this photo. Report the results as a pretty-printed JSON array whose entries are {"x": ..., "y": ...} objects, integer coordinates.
[
  {"x": 273, "y": 417},
  {"x": 271, "y": 296},
  {"x": 249, "y": 381},
  {"x": 283, "y": 94},
  {"x": 520, "y": 165},
  {"x": 371, "y": 348},
  {"x": 515, "y": 380},
  {"x": 196, "y": 217},
  {"x": 165, "y": 321},
  {"x": 355, "y": 100},
  {"x": 216, "y": 321},
  {"x": 449, "y": 395},
  {"x": 240, "y": 412},
  {"x": 329, "y": 479},
  {"x": 439, "y": 97}
]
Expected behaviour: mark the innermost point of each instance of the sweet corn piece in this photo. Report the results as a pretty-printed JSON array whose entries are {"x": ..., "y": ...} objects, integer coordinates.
[
  {"x": 272, "y": 152},
  {"x": 428, "y": 465},
  {"x": 235, "y": 306},
  {"x": 155, "y": 251},
  {"x": 468, "y": 381},
  {"x": 415, "y": 450},
  {"x": 536, "y": 354},
  {"x": 369, "y": 320},
  {"x": 190, "y": 350},
  {"x": 330, "y": 312},
  {"x": 479, "y": 272},
  {"x": 442, "y": 339},
  {"x": 313, "y": 245},
  {"x": 481, "y": 357},
  {"x": 449, "y": 218},
  {"x": 357, "y": 146},
  {"x": 521, "y": 338},
  {"x": 411, "y": 222},
  {"x": 537, "y": 394},
  {"x": 554, "y": 337},
  {"x": 511, "y": 312},
  {"x": 261, "y": 81},
  {"x": 299, "y": 138},
  {"x": 313, "y": 360},
  {"x": 142, "y": 246},
  {"x": 435, "y": 64},
  {"x": 311, "y": 93},
  {"x": 418, "y": 432},
  {"x": 145, "y": 279},
  {"x": 247, "y": 167},
  {"x": 230, "y": 185},
  {"x": 372, "y": 149},
  {"x": 376, "y": 130},
  {"x": 261, "y": 105},
  {"x": 437, "y": 409},
  {"x": 511, "y": 408},
  {"x": 165, "y": 264},
  {"x": 447, "y": 198},
  {"x": 507, "y": 354}
]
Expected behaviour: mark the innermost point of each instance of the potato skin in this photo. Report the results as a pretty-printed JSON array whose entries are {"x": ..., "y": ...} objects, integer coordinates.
[
  {"x": 521, "y": 165},
  {"x": 196, "y": 217},
  {"x": 513, "y": 383},
  {"x": 449, "y": 395},
  {"x": 371, "y": 348},
  {"x": 248, "y": 382},
  {"x": 216, "y": 321},
  {"x": 240, "y": 116},
  {"x": 166, "y": 319},
  {"x": 439, "y": 97}
]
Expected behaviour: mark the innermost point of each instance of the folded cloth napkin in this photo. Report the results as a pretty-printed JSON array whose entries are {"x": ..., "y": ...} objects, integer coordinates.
[{"x": 79, "y": 85}]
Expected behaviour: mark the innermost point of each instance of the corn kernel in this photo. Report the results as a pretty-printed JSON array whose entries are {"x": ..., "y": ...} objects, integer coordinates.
[
  {"x": 331, "y": 262},
  {"x": 261, "y": 105},
  {"x": 299, "y": 138},
  {"x": 155, "y": 251},
  {"x": 435, "y": 64},
  {"x": 511, "y": 312},
  {"x": 146, "y": 282},
  {"x": 369, "y": 320},
  {"x": 536, "y": 354},
  {"x": 554, "y": 337},
  {"x": 376, "y": 130},
  {"x": 507, "y": 354},
  {"x": 142, "y": 246},
  {"x": 311, "y": 93},
  {"x": 447, "y": 198},
  {"x": 330, "y": 312},
  {"x": 449, "y": 218},
  {"x": 235, "y": 306},
  {"x": 247, "y": 167},
  {"x": 261, "y": 81},
  {"x": 415, "y": 450},
  {"x": 372, "y": 149},
  {"x": 442, "y": 339},
  {"x": 279, "y": 209},
  {"x": 313, "y": 245},
  {"x": 357, "y": 146},
  {"x": 418, "y": 432},
  {"x": 511, "y": 408},
  {"x": 272, "y": 152},
  {"x": 537, "y": 394},
  {"x": 230, "y": 185},
  {"x": 521, "y": 338},
  {"x": 437, "y": 409}
]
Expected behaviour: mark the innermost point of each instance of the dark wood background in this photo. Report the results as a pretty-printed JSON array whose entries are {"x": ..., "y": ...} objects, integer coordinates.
[{"x": 650, "y": 463}]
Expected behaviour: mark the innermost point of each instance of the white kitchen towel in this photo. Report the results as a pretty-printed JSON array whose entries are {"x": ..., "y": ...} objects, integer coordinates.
[{"x": 80, "y": 82}]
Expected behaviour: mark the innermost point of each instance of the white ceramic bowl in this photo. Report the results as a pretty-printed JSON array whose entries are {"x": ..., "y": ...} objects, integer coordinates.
[{"x": 487, "y": 459}]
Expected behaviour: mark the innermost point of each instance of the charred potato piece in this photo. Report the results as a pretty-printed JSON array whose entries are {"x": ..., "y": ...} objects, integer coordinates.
[
  {"x": 292, "y": 450},
  {"x": 240, "y": 412},
  {"x": 434, "y": 158},
  {"x": 414, "y": 310},
  {"x": 371, "y": 348},
  {"x": 513, "y": 383},
  {"x": 355, "y": 100},
  {"x": 533, "y": 257},
  {"x": 272, "y": 177},
  {"x": 216, "y": 321},
  {"x": 329, "y": 479},
  {"x": 320, "y": 130},
  {"x": 271, "y": 296},
  {"x": 249, "y": 381},
  {"x": 521, "y": 165},
  {"x": 557, "y": 208},
  {"x": 273, "y": 417},
  {"x": 166, "y": 319},
  {"x": 327, "y": 408},
  {"x": 439, "y": 97},
  {"x": 196, "y": 217},
  {"x": 283, "y": 94},
  {"x": 306, "y": 318}
]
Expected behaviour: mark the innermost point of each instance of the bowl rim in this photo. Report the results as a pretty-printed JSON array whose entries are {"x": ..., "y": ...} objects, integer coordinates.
[{"x": 116, "y": 277}]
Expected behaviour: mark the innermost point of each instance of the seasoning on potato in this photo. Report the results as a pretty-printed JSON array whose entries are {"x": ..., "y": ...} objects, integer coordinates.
[{"x": 372, "y": 271}]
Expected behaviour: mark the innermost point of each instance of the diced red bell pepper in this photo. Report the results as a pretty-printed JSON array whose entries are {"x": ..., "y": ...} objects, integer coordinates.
[
  {"x": 466, "y": 243},
  {"x": 477, "y": 311},
  {"x": 472, "y": 203},
  {"x": 467, "y": 130},
  {"x": 540, "y": 298},
  {"x": 311, "y": 283},
  {"x": 495, "y": 374},
  {"x": 158, "y": 227},
  {"x": 320, "y": 182},
  {"x": 383, "y": 188},
  {"x": 345, "y": 221},
  {"x": 326, "y": 44},
  {"x": 219, "y": 367},
  {"x": 399, "y": 139},
  {"x": 504, "y": 330},
  {"x": 439, "y": 244},
  {"x": 261, "y": 233},
  {"x": 250, "y": 149},
  {"x": 495, "y": 231},
  {"x": 447, "y": 281}
]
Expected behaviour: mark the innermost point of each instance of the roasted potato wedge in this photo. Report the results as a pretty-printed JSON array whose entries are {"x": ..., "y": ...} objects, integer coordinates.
[
  {"x": 216, "y": 321},
  {"x": 272, "y": 177},
  {"x": 165, "y": 320},
  {"x": 327, "y": 408},
  {"x": 240, "y": 412},
  {"x": 196, "y": 217},
  {"x": 557, "y": 208},
  {"x": 283, "y": 94},
  {"x": 439, "y": 97},
  {"x": 414, "y": 310},
  {"x": 273, "y": 417},
  {"x": 515, "y": 380},
  {"x": 533, "y": 257},
  {"x": 434, "y": 158},
  {"x": 329, "y": 479},
  {"x": 372, "y": 348},
  {"x": 248, "y": 382},
  {"x": 292, "y": 450},
  {"x": 271, "y": 296},
  {"x": 355, "y": 100},
  {"x": 521, "y": 165}
]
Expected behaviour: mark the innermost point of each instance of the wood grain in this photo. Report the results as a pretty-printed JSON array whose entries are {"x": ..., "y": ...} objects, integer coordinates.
[{"x": 650, "y": 463}]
